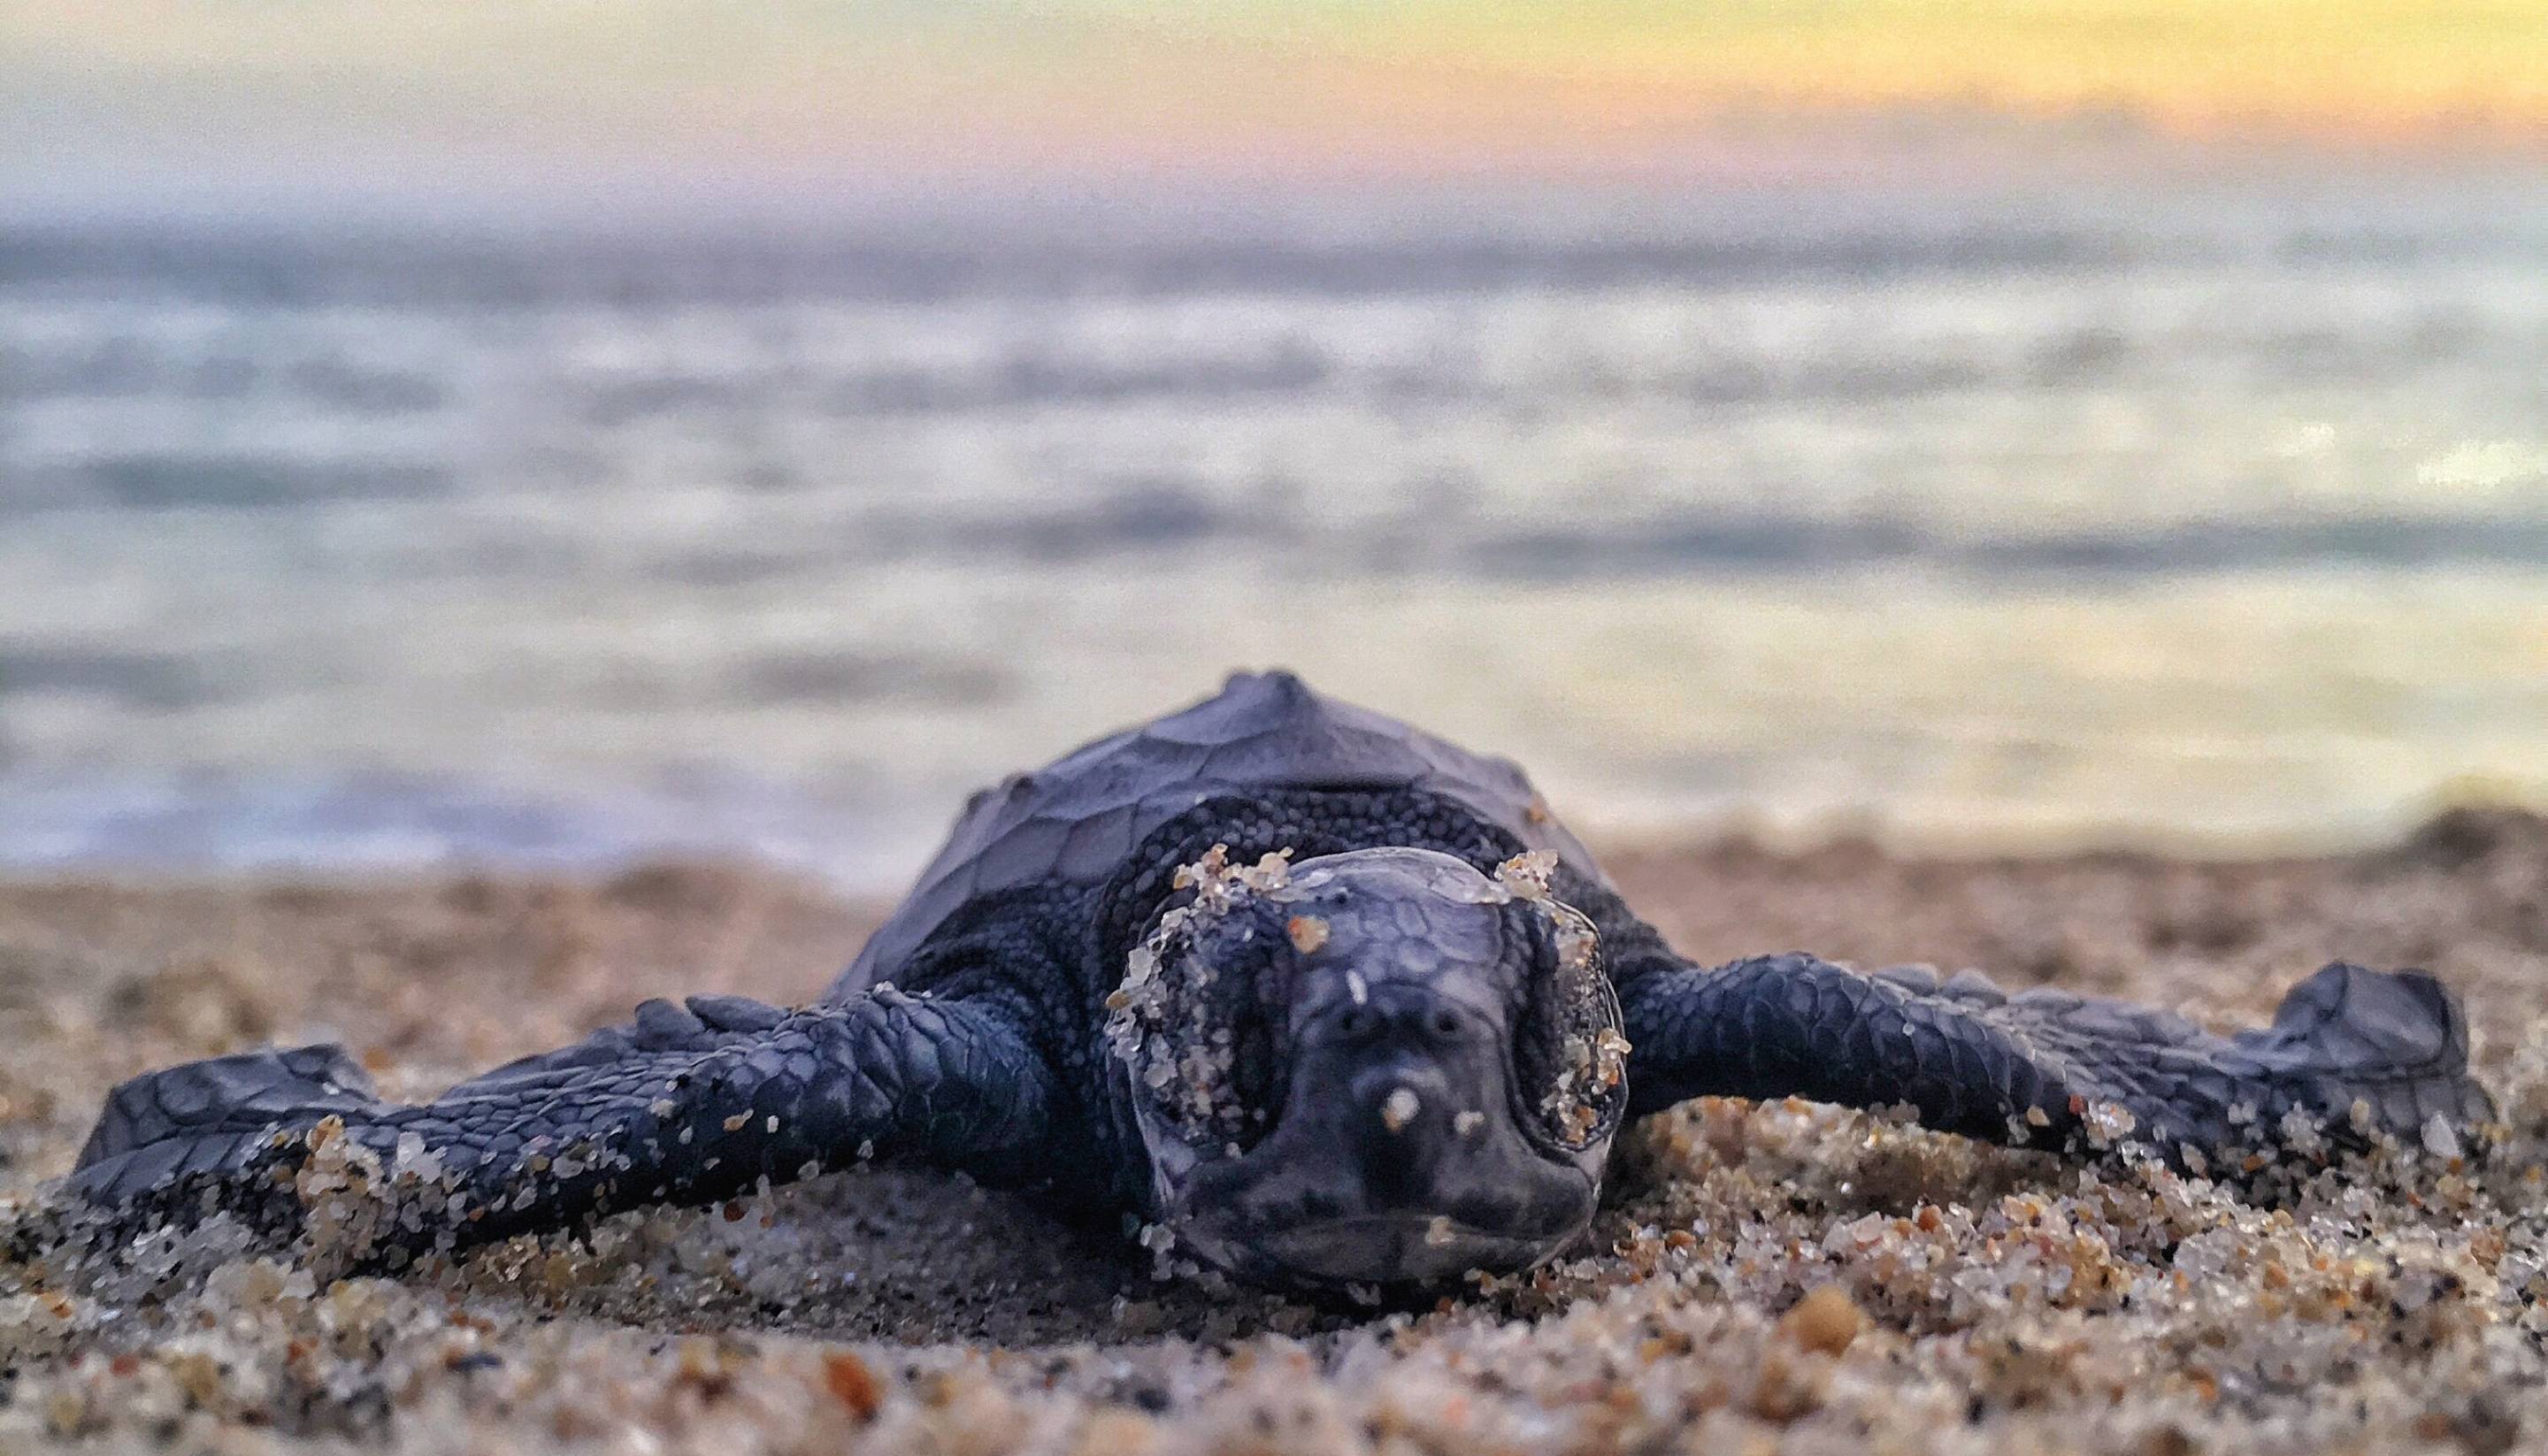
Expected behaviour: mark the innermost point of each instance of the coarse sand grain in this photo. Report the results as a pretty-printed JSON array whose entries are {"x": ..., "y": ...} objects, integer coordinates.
[{"x": 1773, "y": 1277}]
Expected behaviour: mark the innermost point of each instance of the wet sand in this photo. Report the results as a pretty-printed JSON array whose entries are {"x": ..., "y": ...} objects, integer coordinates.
[{"x": 1961, "y": 1298}]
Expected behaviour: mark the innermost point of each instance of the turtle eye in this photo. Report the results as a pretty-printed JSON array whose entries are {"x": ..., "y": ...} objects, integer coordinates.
[
  {"x": 1571, "y": 1057},
  {"x": 1188, "y": 1025}
]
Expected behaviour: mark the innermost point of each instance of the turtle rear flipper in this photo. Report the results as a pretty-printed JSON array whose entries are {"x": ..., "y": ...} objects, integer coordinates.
[{"x": 213, "y": 1117}]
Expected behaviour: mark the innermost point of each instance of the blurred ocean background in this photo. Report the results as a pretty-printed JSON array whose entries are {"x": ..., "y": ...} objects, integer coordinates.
[{"x": 2160, "y": 513}]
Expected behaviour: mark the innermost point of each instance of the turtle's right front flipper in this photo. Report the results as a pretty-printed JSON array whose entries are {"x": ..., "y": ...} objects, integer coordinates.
[{"x": 681, "y": 1106}]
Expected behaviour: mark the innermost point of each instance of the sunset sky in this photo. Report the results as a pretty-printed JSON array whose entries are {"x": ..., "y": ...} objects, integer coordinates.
[{"x": 141, "y": 97}]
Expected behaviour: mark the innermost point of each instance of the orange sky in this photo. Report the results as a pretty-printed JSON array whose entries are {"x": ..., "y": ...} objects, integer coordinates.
[{"x": 398, "y": 91}]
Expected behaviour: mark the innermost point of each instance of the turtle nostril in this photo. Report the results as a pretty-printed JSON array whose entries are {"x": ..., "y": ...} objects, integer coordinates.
[
  {"x": 1444, "y": 1023},
  {"x": 1357, "y": 1022}
]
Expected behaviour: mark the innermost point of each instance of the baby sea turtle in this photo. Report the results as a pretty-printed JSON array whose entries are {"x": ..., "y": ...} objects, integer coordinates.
[{"x": 1325, "y": 998}]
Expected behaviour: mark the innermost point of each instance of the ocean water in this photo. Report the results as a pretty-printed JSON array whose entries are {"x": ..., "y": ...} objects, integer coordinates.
[{"x": 2175, "y": 517}]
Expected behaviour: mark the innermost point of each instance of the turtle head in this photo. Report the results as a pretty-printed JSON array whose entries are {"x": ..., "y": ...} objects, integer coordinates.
[{"x": 1376, "y": 1067}]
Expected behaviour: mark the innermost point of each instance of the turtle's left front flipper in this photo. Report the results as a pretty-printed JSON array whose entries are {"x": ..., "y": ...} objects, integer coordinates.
[
  {"x": 687, "y": 1104},
  {"x": 2346, "y": 1043}
]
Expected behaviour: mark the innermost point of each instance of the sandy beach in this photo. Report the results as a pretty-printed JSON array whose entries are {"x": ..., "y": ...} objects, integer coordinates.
[
  {"x": 511, "y": 512},
  {"x": 1779, "y": 1277}
]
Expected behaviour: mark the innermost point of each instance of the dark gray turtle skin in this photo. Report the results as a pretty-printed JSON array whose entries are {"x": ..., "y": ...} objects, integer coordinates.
[{"x": 1329, "y": 1000}]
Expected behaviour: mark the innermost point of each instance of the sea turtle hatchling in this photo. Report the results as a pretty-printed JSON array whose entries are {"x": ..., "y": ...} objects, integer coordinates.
[{"x": 1327, "y": 999}]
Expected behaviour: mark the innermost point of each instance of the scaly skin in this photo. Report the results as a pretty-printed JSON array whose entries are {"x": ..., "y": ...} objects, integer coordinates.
[
  {"x": 683, "y": 1106},
  {"x": 985, "y": 1057},
  {"x": 990, "y": 1058},
  {"x": 2029, "y": 1068}
]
